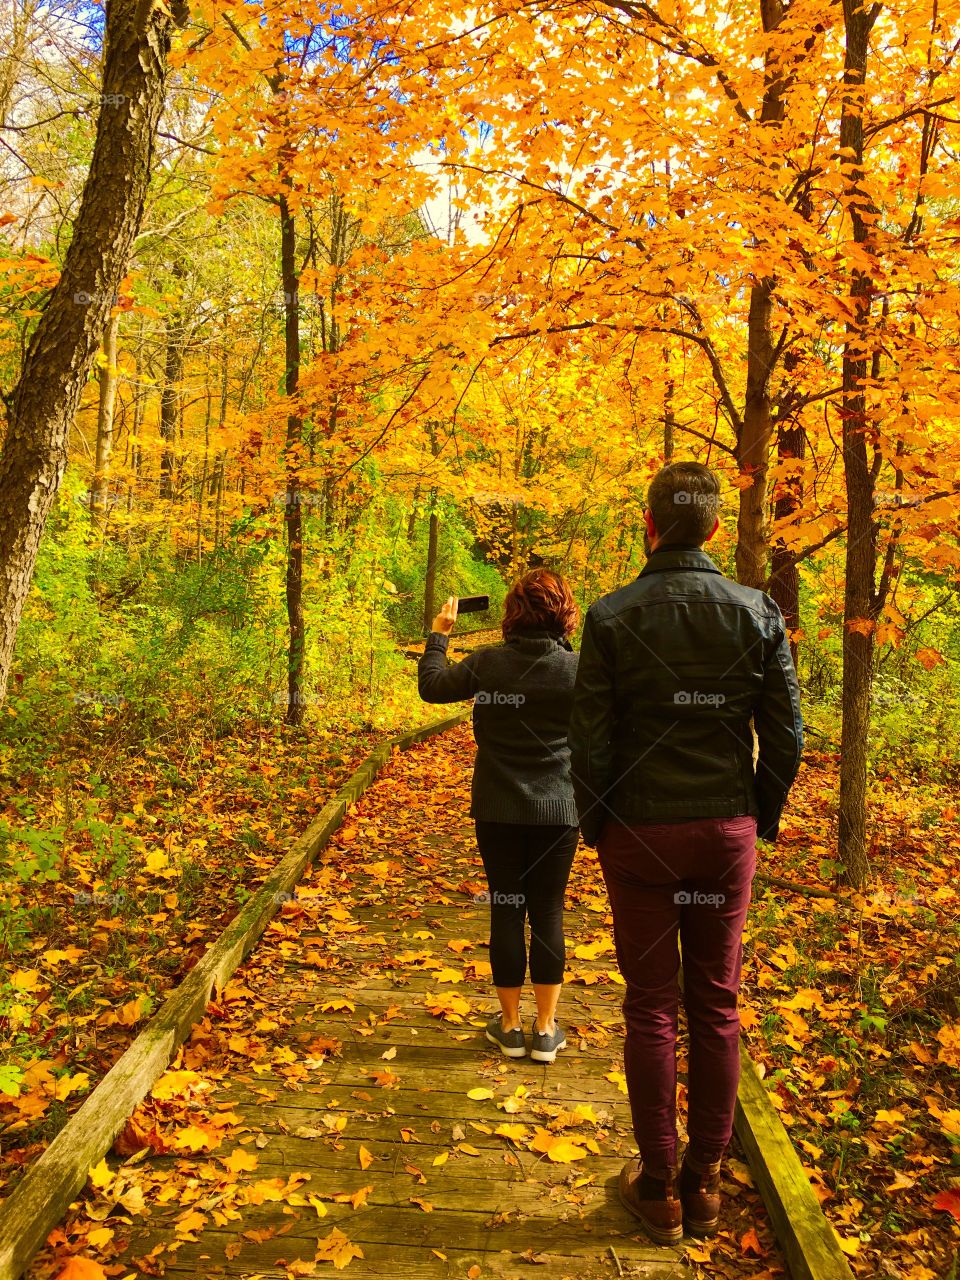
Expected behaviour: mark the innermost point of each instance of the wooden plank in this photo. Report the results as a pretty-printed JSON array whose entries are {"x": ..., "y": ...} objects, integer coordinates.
[
  {"x": 415, "y": 1262},
  {"x": 41, "y": 1197},
  {"x": 478, "y": 1231},
  {"x": 805, "y": 1235}
]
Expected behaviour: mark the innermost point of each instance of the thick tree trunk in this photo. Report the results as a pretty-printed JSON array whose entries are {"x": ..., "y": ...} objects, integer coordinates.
[
  {"x": 109, "y": 378},
  {"x": 64, "y": 343},
  {"x": 293, "y": 510},
  {"x": 753, "y": 445},
  {"x": 859, "y": 614},
  {"x": 756, "y": 434}
]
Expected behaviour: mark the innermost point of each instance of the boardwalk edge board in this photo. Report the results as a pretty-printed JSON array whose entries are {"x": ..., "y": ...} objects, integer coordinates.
[
  {"x": 802, "y": 1230},
  {"x": 49, "y": 1186}
]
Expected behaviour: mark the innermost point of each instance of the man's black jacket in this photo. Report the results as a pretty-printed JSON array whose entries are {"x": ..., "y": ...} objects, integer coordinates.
[{"x": 672, "y": 667}]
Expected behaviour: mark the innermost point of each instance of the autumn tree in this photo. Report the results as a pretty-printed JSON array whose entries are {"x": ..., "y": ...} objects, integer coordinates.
[{"x": 65, "y": 341}]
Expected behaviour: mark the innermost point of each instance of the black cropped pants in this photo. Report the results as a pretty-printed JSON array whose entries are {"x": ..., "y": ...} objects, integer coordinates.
[{"x": 527, "y": 869}]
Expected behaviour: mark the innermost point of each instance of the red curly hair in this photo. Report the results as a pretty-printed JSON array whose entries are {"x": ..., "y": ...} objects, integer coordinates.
[{"x": 540, "y": 600}]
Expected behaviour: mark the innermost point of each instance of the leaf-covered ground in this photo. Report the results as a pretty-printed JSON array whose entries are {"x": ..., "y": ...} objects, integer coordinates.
[
  {"x": 852, "y": 1003},
  {"x": 132, "y": 866},
  {"x": 850, "y": 1006},
  {"x": 339, "y": 1104}
]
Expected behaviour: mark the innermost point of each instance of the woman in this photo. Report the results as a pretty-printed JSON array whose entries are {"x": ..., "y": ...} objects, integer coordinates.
[{"x": 521, "y": 797}]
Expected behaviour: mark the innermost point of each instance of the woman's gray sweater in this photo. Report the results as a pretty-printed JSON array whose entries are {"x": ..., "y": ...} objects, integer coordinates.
[{"x": 523, "y": 695}]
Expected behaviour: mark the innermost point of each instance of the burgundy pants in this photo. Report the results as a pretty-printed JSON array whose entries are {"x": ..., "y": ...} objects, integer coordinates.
[{"x": 692, "y": 879}]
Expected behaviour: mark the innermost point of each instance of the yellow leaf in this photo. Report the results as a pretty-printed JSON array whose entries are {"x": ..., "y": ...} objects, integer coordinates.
[
  {"x": 515, "y": 1132},
  {"x": 365, "y": 1158},
  {"x": 617, "y": 1078},
  {"x": 888, "y": 1117},
  {"x": 55, "y": 957},
  {"x": 100, "y": 1175},
  {"x": 99, "y": 1237},
  {"x": 467, "y": 1149},
  {"x": 70, "y": 1084},
  {"x": 240, "y": 1161},
  {"x": 849, "y": 1246},
  {"x": 559, "y": 1150},
  {"x": 478, "y": 1095},
  {"x": 196, "y": 1139},
  {"x": 191, "y": 1222},
  {"x": 336, "y": 1248},
  {"x": 442, "y": 1158},
  {"x": 176, "y": 1084},
  {"x": 82, "y": 1269}
]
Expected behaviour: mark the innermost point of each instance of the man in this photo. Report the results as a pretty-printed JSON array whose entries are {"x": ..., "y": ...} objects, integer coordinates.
[{"x": 672, "y": 668}]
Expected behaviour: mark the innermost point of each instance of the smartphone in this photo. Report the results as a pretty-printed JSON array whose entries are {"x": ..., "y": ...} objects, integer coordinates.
[{"x": 473, "y": 604}]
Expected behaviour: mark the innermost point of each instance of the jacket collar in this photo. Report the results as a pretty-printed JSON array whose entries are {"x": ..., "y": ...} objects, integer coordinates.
[
  {"x": 676, "y": 555},
  {"x": 538, "y": 641}
]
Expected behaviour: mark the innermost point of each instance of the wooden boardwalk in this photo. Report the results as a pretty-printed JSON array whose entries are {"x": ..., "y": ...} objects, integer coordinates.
[{"x": 321, "y": 1111}]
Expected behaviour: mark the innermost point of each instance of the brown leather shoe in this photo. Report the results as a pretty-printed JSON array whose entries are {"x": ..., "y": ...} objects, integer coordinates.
[
  {"x": 661, "y": 1218},
  {"x": 700, "y": 1195}
]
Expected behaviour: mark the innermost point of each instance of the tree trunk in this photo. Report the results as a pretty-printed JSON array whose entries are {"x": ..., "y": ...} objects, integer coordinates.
[
  {"x": 169, "y": 409},
  {"x": 293, "y": 511},
  {"x": 861, "y": 540},
  {"x": 756, "y": 434},
  {"x": 669, "y": 418},
  {"x": 430, "y": 585},
  {"x": 109, "y": 377},
  {"x": 784, "y": 584},
  {"x": 64, "y": 343}
]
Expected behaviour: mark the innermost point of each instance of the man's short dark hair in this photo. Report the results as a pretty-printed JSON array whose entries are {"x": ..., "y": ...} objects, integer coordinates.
[{"x": 684, "y": 500}]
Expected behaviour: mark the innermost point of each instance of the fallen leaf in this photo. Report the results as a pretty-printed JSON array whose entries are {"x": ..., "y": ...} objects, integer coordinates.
[{"x": 78, "y": 1268}]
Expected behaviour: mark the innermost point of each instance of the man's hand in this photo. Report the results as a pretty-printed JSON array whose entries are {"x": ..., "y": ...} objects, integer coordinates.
[{"x": 447, "y": 616}]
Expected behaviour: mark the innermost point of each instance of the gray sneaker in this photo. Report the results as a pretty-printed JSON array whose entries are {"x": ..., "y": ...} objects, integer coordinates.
[
  {"x": 511, "y": 1043},
  {"x": 545, "y": 1044}
]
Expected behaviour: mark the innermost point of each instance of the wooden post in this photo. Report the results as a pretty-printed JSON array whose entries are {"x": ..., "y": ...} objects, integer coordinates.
[{"x": 808, "y": 1241}]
